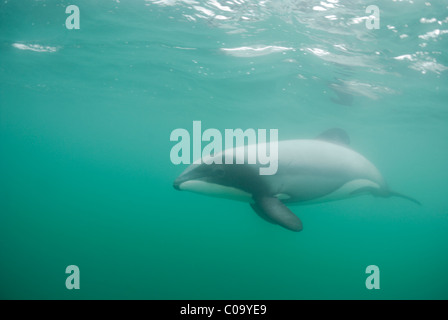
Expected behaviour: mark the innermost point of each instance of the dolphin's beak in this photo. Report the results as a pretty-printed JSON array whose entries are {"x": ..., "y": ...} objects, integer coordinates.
[
  {"x": 179, "y": 180},
  {"x": 189, "y": 174}
]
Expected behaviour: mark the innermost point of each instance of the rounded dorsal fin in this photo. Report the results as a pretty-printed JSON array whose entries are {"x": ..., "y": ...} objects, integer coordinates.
[{"x": 335, "y": 135}]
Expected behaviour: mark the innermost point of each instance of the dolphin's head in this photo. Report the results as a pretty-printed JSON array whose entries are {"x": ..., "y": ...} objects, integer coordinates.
[{"x": 219, "y": 180}]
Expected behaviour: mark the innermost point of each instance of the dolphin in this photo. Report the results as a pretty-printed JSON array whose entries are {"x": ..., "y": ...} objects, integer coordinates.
[{"x": 309, "y": 171}]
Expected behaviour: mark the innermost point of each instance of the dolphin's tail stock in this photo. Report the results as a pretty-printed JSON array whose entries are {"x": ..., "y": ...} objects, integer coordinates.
[
  {"x": 386, "y": 193},
  {"x": 391, "y": 193}
]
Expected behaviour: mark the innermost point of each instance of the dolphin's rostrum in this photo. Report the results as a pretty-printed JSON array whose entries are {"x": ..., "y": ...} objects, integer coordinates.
[{"x": 309, "y": 171}]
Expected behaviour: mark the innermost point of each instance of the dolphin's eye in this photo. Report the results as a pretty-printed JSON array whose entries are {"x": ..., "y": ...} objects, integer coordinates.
[{"x": 219, "y": 172}]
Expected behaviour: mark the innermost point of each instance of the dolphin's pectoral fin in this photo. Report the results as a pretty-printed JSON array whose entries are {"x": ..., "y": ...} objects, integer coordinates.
[
  {"x": 261, "y": 214},
  {"x": 335, "y": 135},
  {"x": 274, "y": 211}
]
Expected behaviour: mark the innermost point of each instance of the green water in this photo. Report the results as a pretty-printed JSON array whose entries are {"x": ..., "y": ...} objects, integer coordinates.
[{"x": 85, "y": 170}]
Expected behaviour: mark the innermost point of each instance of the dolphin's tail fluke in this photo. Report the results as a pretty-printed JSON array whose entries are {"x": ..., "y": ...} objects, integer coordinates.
[{"x": 391, "y": 193}]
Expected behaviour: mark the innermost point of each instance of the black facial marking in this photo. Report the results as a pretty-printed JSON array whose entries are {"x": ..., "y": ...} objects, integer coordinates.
[{"x": 240, "y": 176}]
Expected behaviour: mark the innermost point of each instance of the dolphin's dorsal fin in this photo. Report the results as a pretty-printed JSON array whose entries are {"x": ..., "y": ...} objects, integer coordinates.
[
  {"x": 274, "y": 211},
  {"x": 335, "y": 135}
]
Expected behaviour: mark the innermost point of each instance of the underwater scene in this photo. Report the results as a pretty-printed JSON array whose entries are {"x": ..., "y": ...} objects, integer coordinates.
[{"x": 223, "y": 149}]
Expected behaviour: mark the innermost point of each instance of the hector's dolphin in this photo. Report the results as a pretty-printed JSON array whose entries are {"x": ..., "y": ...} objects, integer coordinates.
[{"x": 309, "y": 171}]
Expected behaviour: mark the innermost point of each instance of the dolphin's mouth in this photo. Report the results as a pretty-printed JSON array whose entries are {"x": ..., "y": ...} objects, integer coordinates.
[
  {"x": 179, "y": 181},
  {"x": 185, "y": 177},
  {"x": 212, "y": 189}
]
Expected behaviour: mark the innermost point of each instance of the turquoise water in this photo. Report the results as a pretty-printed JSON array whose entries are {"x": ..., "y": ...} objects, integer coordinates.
[{"x": 85, "y": 123}]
